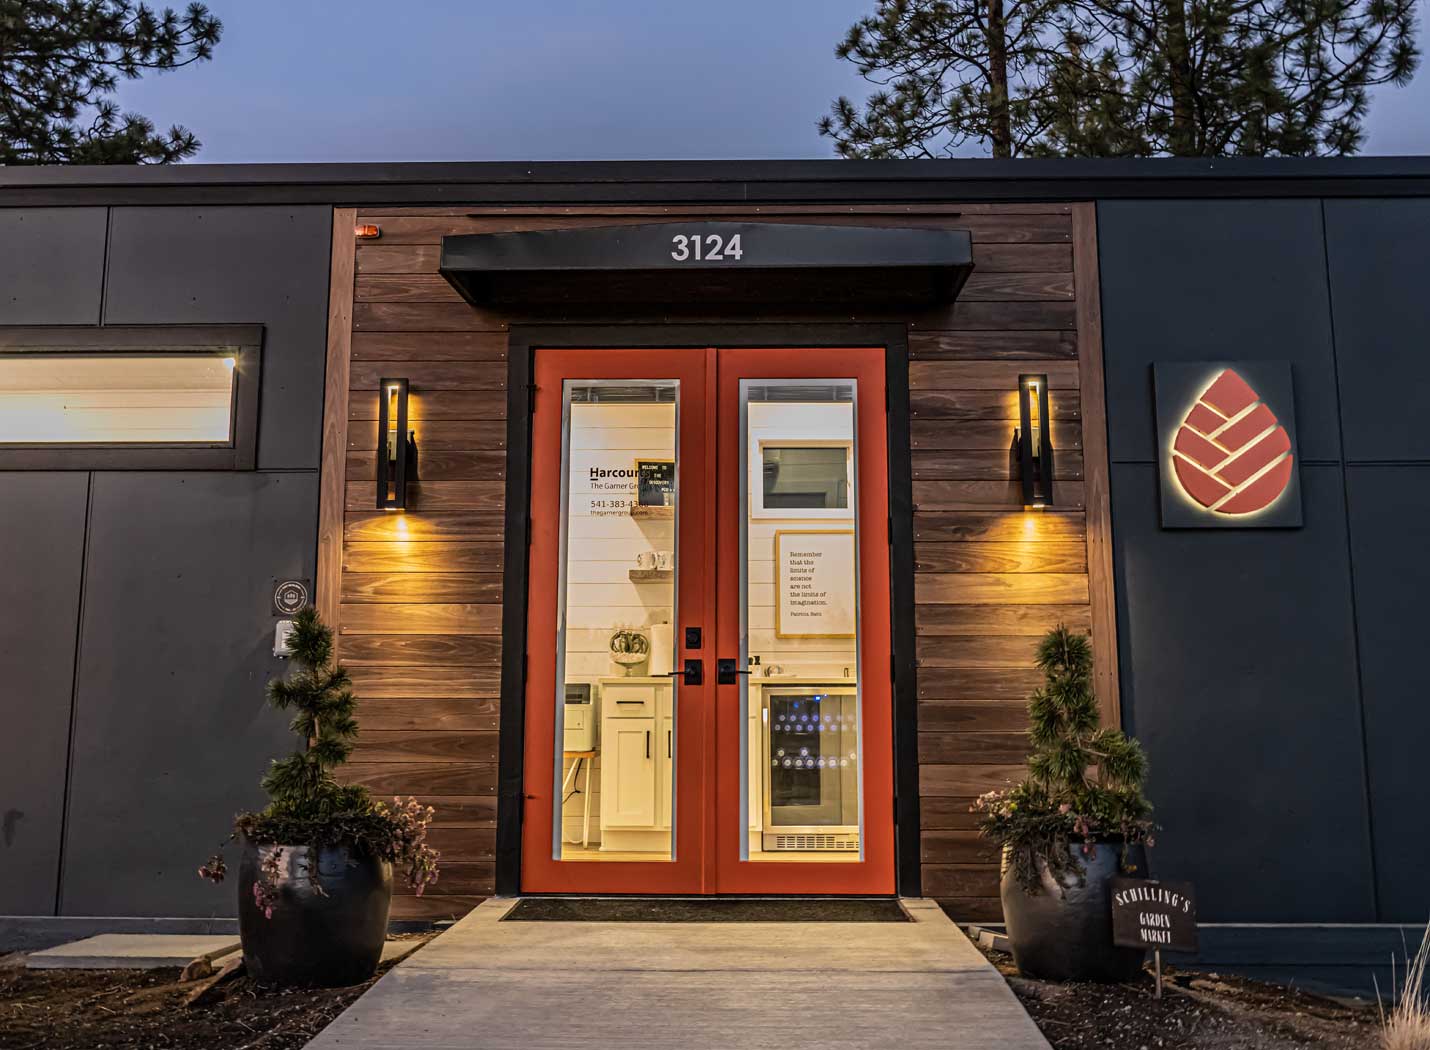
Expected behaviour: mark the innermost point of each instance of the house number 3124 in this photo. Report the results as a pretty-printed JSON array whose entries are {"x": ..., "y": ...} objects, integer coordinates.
[{"x": 712, "y": 248}]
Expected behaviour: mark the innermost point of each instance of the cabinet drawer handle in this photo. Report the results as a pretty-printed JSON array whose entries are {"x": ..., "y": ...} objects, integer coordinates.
[
  {"x": 647, "y": 743},
  {"x": 630, "y": 701}
]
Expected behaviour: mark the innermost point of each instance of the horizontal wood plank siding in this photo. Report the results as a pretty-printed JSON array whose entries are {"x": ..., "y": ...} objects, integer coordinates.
[
  {"x": 417, "y": 596},
  {"x": 990, "y": 578}
]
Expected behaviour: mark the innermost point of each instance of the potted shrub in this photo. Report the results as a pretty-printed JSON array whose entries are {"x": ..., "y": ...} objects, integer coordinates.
[
  {"x": 1076, "y": 821},
  {"x": 315, "y": 877}
]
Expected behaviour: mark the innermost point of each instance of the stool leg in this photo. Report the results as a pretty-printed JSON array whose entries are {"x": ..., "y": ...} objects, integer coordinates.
[
  {"x": 586, "y": 814},
  {"x": 566, "y": 782}
]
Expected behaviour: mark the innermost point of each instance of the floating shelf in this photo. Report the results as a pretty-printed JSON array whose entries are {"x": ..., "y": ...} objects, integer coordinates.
[
  {"x": 649, "y": 575},
  {"x": 640, "y": 510}
]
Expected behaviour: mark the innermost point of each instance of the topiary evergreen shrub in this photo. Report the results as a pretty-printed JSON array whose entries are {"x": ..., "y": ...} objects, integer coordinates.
[{"x": 1084, "y": 781}]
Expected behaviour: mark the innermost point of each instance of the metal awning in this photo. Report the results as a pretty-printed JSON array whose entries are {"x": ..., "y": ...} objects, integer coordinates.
[{"x": 709, "y": 263}]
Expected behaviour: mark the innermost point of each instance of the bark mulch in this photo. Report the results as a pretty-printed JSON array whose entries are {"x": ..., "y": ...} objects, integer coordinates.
[
  {"x": 103, "y": 1009},
  {"x": 1197, "y": 1011}
]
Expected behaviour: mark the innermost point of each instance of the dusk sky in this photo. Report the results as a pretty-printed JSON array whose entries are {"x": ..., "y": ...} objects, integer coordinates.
[{"x": 546, "y": 80}]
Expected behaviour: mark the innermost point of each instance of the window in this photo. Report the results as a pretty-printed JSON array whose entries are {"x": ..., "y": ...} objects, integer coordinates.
[{"x": 128, "y": 398}]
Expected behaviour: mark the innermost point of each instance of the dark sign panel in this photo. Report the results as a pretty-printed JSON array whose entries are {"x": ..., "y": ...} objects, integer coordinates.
[
  {"x": 1226, "y": 433},
  {"x": 290, "y": 596},
  {"x": 655, "y": 482},
  {"x": 1153, "y": 914},
  {"x": 709, "y": 262}
]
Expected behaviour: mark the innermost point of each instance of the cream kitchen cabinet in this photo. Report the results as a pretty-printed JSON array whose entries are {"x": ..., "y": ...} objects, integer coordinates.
[{"x": 637, "y": 760}]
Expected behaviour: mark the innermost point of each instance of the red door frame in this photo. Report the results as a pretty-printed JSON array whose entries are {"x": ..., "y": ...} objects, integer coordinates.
[
  {"x": 708, "y": 837},
  {"x": 874, "y": 873},
  {"x": 540, "y": 872}
]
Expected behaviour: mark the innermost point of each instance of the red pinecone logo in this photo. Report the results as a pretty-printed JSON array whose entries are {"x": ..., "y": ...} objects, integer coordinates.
[{"x": 1231, "y": 454}]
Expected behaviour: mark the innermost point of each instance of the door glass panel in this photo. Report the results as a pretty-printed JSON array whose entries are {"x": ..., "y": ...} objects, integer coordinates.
[
  {"x": 615, "y": 720},
  {"x": 799, "y": 622}
]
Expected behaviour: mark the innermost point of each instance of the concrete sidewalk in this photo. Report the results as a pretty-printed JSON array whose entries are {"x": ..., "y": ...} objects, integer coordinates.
[{"x": 537, "y": 985}]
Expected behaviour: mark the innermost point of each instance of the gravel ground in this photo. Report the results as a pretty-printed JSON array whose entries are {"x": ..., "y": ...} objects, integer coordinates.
[
  {"x": 1197, "y": 1011},
  {"x": 104, "y": 1009}
]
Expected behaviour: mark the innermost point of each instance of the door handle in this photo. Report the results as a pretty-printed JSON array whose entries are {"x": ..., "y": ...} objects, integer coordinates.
[
  {"x": 693, "y": 673},
  {"x": 725, "y": 672},
  {"x": 647, "y": 743},
  {"x": 668, "y": 733}
]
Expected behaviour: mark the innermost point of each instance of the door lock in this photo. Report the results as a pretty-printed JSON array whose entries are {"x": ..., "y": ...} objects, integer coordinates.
[
  {"x": 726, "y": 672},
  {"x": 692, "y": 674}
]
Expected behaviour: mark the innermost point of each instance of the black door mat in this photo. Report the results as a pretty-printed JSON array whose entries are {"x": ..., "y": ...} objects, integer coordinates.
[{"x": 715, "y": 909}]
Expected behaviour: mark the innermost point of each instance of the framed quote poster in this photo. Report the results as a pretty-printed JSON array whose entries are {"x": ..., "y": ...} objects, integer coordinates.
[{"x": 815, "y": 593}]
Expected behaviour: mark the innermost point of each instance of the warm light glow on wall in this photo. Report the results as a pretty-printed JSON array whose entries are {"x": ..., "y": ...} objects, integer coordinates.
[{"x": 92, "y": 399}]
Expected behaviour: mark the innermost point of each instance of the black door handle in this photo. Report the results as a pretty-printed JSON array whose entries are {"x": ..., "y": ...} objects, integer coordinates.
[
  {"x": 647, "y": 743},
  {"x": 693, "y": 673},
  {"x": 725, "y": 672}
]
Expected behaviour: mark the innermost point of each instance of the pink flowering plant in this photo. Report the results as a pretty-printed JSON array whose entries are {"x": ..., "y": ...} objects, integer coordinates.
[
  {"x": 307, "y": 805},
  {"x": 1084, "y": 781}
]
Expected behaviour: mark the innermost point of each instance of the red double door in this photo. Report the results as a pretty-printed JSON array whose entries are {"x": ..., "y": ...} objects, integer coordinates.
[{"x": 736, "y": 454}]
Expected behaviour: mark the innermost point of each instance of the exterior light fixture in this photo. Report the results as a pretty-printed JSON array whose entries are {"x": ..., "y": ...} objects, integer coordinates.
[
  {"x": 1033, "y": 441},
  {"x": 396, "y": 446},
  {"x": 367, "y": 231}
]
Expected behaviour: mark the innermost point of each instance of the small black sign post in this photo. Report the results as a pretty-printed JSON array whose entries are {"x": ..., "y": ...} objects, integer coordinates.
[{"x": 1154, "y": 914}]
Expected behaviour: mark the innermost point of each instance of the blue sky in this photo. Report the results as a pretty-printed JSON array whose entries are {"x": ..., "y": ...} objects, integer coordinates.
[{"x": 303, "y": 80}]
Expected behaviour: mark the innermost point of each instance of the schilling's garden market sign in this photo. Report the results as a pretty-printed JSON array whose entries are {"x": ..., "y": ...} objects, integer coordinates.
[{"x": 1157, "y": 915}]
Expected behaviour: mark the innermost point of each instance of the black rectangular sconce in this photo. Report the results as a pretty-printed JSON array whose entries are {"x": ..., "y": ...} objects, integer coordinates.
[
  {"x": 1033, "y": 441},
  {"x": 396, "y": 446}
]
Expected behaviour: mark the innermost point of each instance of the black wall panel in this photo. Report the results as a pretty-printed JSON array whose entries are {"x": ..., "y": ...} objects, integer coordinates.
[
  {"x": 255, "y": 265},
  {"x": 172, "y": 730},
  {"x": 1380, "y": 274},
  {"x": 51, "y": 265},
  {"x": 1390, "y": 535},
  {"x": 41, "y": 554},
  {"x": 1237, "y": 654},
  {"x": 1212, "y": 280}
]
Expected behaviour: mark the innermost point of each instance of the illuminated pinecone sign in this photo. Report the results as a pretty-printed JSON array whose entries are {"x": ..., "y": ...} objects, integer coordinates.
[
  {"x": 1229, "y": 459},
  {"x": 1232, "y": 455}
]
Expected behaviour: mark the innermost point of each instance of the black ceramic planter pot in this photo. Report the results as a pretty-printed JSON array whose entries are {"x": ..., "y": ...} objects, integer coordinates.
[
  {"x": 326, "y": 939},
  {"x": 1067, "y": 936}
]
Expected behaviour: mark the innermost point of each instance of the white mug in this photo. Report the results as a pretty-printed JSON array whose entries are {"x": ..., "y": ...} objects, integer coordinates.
[
  {"x": 664, "y": 559},
  {"x": 645, "y": 560}
]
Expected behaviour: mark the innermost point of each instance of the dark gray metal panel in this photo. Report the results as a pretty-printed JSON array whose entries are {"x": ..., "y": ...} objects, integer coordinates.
[
  {"x": 239, "y": 265},
  {"x": 1379, "y": 275},
  {"x": 1237, "y": 654},
  {"x": 1214, "y": 281},
  {"x": 51, "y": 265},
  {"x": 41, "y": 554},
  {"x": 171, "y": 728},
  {"x": 1390, "y": 534}
]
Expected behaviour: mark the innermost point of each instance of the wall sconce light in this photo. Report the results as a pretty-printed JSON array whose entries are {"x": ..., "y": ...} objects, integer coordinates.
[
  {"x": 396, "y": 446},
  {"x": 1033, "y": 441},
  {"x": 367, "y": 231}
]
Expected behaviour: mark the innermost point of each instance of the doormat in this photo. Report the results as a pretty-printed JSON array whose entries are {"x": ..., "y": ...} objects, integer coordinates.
[{"x": 715, "y": 909}]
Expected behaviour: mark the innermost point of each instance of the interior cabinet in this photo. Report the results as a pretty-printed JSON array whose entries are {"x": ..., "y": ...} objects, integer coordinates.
[{"x": 637, "y": 759}]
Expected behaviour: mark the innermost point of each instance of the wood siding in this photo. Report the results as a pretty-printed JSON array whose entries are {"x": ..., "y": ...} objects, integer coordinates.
[{"x": 417, "y": 597}]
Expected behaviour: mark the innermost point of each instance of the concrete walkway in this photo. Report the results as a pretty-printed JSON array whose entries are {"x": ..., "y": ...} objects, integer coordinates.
[{"x": 492, "y": 985}]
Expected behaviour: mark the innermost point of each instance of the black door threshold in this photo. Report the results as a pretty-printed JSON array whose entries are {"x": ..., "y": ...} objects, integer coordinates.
[{"x": 707, "y": 909}]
